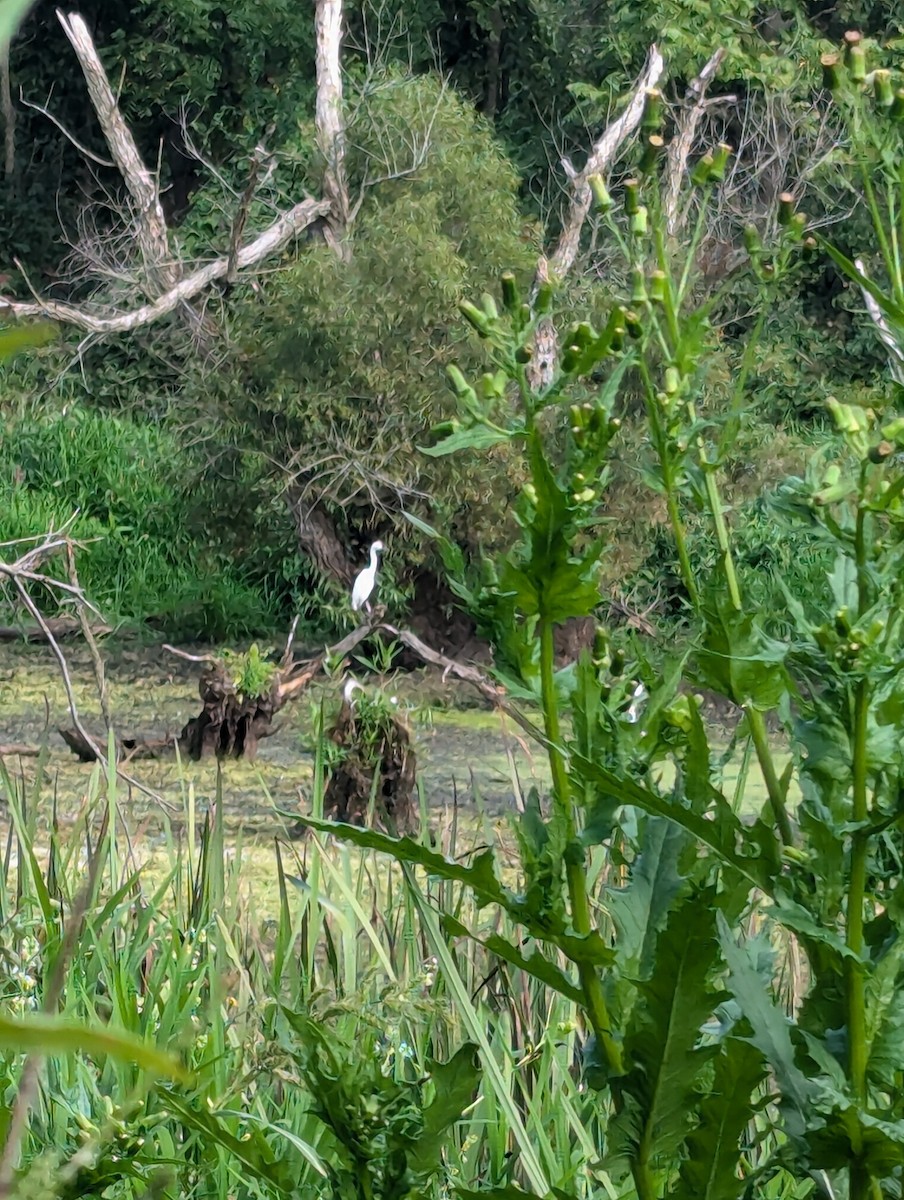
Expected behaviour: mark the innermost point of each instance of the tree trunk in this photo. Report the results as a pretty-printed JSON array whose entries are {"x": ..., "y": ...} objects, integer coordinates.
[
  {"x": 329, "y": 118},
  {"x": 318, "y": 538}
]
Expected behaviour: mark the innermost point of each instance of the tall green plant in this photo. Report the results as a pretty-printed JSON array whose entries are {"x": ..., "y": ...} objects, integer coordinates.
[{"x": 704, "y": 1086}]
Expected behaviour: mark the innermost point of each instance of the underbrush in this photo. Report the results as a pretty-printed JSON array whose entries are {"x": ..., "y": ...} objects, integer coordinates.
[
  {"x": 331, "y": 1025},
  {"x": 145, "y": 558}
]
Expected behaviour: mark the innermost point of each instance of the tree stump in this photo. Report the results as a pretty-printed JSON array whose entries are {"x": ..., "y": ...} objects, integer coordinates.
[
  {"x": 377, "y": 760},
  {"x": 230, "y": 724}
]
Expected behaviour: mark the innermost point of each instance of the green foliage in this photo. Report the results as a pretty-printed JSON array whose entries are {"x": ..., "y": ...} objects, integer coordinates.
[
  {"x": 142, "y": 556},
  {"x": 252, "y": 671}
]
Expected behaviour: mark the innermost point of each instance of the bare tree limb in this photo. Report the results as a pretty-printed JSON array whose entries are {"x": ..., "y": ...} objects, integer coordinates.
[
  {"x": 70, "y": 137},
  {"x": 329, "y": 119},
  {"x": 150, "y": 223},
  {"x": 9, "y": 118},
  {"x": 599, "y": 160},
  {"x": 273, "y": 238},
  {"x": 562, "y": 259},
  {"x": 680, "y": 147}
]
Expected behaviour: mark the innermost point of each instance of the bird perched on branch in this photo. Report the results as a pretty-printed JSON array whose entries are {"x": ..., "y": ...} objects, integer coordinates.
[{"x": 366, "y": 580}]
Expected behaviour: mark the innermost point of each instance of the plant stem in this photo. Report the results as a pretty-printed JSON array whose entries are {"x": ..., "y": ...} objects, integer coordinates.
[
  {"x": 687, "y": 572},
  {"x": 756, "y": 723},
  {"x": 861, "y": 1184},
  {"x": 715, "y": 506},
  {"x": 597, "y": 1010}
]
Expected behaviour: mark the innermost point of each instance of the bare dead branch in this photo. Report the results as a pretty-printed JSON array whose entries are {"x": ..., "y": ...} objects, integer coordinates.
[
  {"x": 687, "y": 124},
  {"x": 9, "y": 118},
  {"x": 70, "y": 137},
  {"x": 150, "y": 223},
  {"x": 329, "y": 118},
  {"x": 273, "y": 238},
  {"x": 258, "y": 161},
  {"x": 598, "y": 162},
  {"x": 562, "y": 259}
]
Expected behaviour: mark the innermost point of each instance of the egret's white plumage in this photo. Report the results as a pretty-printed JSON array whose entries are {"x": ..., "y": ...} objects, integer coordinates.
[
  {"x": 366, "y": 579},
  {"x": 348, "y": 691}
]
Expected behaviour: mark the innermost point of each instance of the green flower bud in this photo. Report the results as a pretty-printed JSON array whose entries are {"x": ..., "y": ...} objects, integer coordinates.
[
  {"x": 475, "y": 317},
  {"x": 702, "y": 171},
  {"x": 618, "y": 338},
  {"x": 882, "y": 89},
  {"x": 638, "y": 286},
  {"x": 657, "y": 286},
  {"x": 632, "y": 196},
  {"x": 785, "y": 209},
  {"x": 720, "y": 162},
  {"x": 585, "y": 496},
  {"x": 488, "y": 304},
  {"x": 524, "y": 314},
  {"x": 639, "y": 222},
  {"x": 530, "y": 493},
  {"x": 460, "y": 385},
  {"x": 798, "y": 225},
  {"x": 510, "y": 297},
  {"x": 855, "y": 55},
  {"x": 651, "y": 153},
  {"x": 897, "y": 108},
  {"x": 652, "y": 110},
  {"x": 601, "y": 197},
  {"x": 831, "y": 73},
  {"x": 543, "y": 302},
  {"x": 672, "y": 381},
  {"x": 524, "y": 354},
  {"x": 752, "y": 241},
  {"x": 633, "y": 325},
  {"x": 570, "y": 358}
]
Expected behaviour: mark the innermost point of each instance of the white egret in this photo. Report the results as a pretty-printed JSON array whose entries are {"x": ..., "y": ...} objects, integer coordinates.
[
  {"x": 366, "y": 580},
  {"x": 349, "y": 690}
]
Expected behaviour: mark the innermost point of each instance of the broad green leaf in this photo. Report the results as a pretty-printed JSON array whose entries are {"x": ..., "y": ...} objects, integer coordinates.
[
  {"x": 771, "y": 1031},
  {"x": 662, "y": 1043},
  {"x": 850, "y": 268},
  {"x": 640, "y": 911},
  {"x": 455, "y": 1084},
  {"x": 480, "y": 877},
  {"x": 452, "y": 557},
  {"x": 252, "y": 1151},
  {"x": 738, "y": 660},
  {"x": 715, "y": 835},
  {"x": 710, "y": 1169},
  {"x": 41, "y": 1034},
  {"x": 476, "y": 437},
  {"x": 534, "y": 963}
]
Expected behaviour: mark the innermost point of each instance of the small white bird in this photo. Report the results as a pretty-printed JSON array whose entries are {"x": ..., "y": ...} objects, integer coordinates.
[{"x": 366, "y": 579}]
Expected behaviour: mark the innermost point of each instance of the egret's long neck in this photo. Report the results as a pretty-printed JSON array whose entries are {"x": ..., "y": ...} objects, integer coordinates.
[{"x": 373, "y": 557}]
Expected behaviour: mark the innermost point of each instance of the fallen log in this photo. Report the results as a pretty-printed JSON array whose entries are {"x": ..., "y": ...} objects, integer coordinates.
[
  {"x": 57, "y": 627},
  {"x": 16, "y": 750}
]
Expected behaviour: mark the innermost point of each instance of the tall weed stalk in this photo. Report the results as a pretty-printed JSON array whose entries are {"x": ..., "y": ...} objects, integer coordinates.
[{"x": 703, "y": 1086}]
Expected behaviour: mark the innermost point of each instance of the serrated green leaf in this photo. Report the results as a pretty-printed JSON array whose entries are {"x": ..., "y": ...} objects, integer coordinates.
[
  {"x": 455, "y": 1083},
  {"x": 534, "y": 963},
  {"x": 453, "y": 559},
  {"x": 710, "y": 1169},
  {"x": 480, "y": 877},
  {"x": 771, "y": 1031},
  {"x": 662, "y": 1041},
  {"x": 717, "y": 835},
  {"x": 640, "y": 911},
  {"x": 253, "y": 1152}
]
